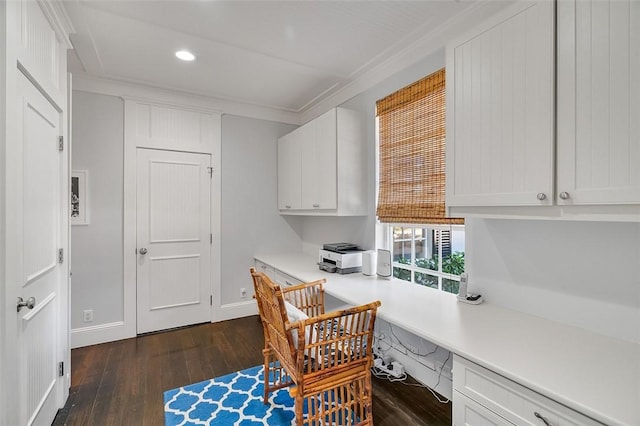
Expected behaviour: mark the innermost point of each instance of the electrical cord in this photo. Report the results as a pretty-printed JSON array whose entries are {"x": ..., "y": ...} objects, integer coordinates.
[
  {"x": 380, "y": 374},
  {"x": 442, "y": 368},
  {"x": 435, "y": 394},
  {"x": 384, "y": 375},
  {"x": 409, "y": 349}
]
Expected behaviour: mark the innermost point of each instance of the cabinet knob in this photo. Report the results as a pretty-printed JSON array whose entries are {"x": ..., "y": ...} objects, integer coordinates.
[
  {"x": 287, "y": 207},
  {"x": 564, "y": 195},
  {"x": 541, "y": 417},
  {"x": 542, "y": 196},
  {"x": 316, "y": 206}
]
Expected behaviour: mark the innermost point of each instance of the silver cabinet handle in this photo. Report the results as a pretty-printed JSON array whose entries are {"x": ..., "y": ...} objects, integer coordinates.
[
  {"x": 143, "y": 251},
  {"x": 541, "y": 417},
  {"x": 287, "y": 207},
  {"x": 30, "y": 303},
  {"x": 541, "y": 196},
  {"x": 564, "y": 195},
  {"x": 316, "y": 206}
]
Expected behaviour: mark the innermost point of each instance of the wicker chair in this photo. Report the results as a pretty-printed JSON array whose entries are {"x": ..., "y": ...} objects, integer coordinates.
[{"x": 326, "y": 358}]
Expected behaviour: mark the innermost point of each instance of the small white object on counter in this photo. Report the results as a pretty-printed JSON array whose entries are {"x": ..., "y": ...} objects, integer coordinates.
[
  {"x": 369, "y": 262},
  {"x": 464, "y": 296},
  {"x": 384, "y": 268}
]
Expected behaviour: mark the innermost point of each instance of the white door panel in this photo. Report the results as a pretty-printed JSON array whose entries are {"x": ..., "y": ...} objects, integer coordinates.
[
  {"x": 37, "y": 240},
  {"x": 173, "y": 225}
]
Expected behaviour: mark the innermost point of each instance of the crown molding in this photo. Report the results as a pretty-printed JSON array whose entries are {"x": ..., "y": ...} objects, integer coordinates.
[
  {"x": 104, "y": 86},
  {"x": 426, "y": 45},
  {"x": 432, "y": 41},
  {"x": 59, "y": 20}
]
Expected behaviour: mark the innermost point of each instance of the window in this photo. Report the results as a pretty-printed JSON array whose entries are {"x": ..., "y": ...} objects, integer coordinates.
[
  {"x": 432, "y": 256},
  {"x": 427, "y": 246}
]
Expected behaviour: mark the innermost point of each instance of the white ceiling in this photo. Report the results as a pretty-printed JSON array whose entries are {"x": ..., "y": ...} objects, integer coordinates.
[{"x": 285, "y": 55}]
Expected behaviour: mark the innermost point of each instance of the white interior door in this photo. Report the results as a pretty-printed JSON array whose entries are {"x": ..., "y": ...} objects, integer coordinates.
[
  {"x": 173, "y": 239},
  {"x": 34, "y": 235}
]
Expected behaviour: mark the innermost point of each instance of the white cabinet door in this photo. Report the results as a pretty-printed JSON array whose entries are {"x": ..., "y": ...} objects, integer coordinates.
[
  {"x": 312, "y": 179},
  {"x": 289, "y": 149},
  {"x": 319, "y": 163},
  {"x": 598, "y": 102},
  {"x": 500, "y": 110}
]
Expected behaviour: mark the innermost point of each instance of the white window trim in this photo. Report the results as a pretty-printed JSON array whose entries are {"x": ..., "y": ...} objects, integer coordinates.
[{"x": 387, "y": 242}]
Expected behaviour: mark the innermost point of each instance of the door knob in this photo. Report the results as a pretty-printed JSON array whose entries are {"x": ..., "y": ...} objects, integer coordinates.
[
  {"x": 29, "y": 303},
  {"x": 143, "y": 251}
]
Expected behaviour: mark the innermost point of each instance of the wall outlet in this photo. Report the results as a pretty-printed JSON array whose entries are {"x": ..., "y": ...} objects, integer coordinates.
[
  {"x": 87, "y": 315},
  {"x": 243, "y": 292}
]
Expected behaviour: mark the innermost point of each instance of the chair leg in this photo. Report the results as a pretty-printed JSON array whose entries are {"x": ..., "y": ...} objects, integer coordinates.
[
  {"x": 267, "y": 371},
  {"x": 299, "y": 402}
]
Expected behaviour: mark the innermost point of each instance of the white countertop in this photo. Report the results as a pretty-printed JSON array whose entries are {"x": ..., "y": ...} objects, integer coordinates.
[{"x": 596, "y": 375}]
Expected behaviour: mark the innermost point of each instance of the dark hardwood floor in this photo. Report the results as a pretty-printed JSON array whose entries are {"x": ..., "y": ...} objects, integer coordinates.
[{"x": 121, "y": 383}]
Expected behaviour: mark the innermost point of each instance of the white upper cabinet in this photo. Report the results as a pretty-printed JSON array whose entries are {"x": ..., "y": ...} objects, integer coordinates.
[
  {"x": 500, "y": 110},
  {"x": 319, "y": 163},
  {"x": 598, "y": 102},
  {"x": 544, "y": 128},
  {"x": 289, "y": 172},
  {"x": 321, "y": 168}
]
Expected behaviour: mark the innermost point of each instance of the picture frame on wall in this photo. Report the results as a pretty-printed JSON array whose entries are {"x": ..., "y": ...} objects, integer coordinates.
[{"x": 79, "y": 197}]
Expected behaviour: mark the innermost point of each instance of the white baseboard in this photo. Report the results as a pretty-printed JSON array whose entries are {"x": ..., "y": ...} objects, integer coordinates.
[
  {"x": 96, "y": 334},
  {"x": 113, "y": 331},
  {"x": 236, "y": 310}
]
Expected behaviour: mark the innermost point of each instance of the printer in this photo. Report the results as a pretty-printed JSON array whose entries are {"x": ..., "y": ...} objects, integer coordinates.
[{"x": 343, "y": 258}]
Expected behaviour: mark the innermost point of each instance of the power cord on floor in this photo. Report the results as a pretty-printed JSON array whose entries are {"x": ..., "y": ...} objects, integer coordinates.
[{"x": 381, "y": 374}]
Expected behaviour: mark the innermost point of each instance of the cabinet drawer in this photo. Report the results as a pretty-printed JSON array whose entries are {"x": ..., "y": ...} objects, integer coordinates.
[
  {"x": 467, "y": 412},
  {"x": 286, "y": 280},
  {"x": 268, "y": 270},
  {"x": 510, "y": 400}
]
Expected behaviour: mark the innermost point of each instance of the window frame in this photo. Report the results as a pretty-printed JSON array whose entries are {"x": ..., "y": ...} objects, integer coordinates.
[{"x": 388, "y": 242}]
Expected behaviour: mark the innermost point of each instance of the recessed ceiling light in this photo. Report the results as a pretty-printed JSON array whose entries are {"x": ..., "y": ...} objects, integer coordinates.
[{"x": 185, "y": 55}]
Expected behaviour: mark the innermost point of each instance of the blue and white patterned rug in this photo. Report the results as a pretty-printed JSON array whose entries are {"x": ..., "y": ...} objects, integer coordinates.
[{"x": 234, "y": 399}]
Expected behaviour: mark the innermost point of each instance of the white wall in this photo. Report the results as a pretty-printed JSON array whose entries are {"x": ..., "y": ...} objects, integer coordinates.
[
  {"x": 585, "y": 274},
  {"x": 249, "y": 220},
  {"x": 96, "y": 249},
  {"x": 251, "y": 223}
]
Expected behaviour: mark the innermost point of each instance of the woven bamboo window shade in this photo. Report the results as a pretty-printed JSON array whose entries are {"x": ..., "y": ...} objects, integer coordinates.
[{"x": 412, "y": 154}]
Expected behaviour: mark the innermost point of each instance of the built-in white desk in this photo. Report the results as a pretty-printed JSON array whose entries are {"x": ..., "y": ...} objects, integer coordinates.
[{"x": 593, "y": 374}]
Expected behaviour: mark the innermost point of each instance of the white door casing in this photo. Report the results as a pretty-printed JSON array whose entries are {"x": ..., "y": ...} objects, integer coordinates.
[
  {"x": 35, "y": 238},
  {"x": 173, "y": 239}
]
